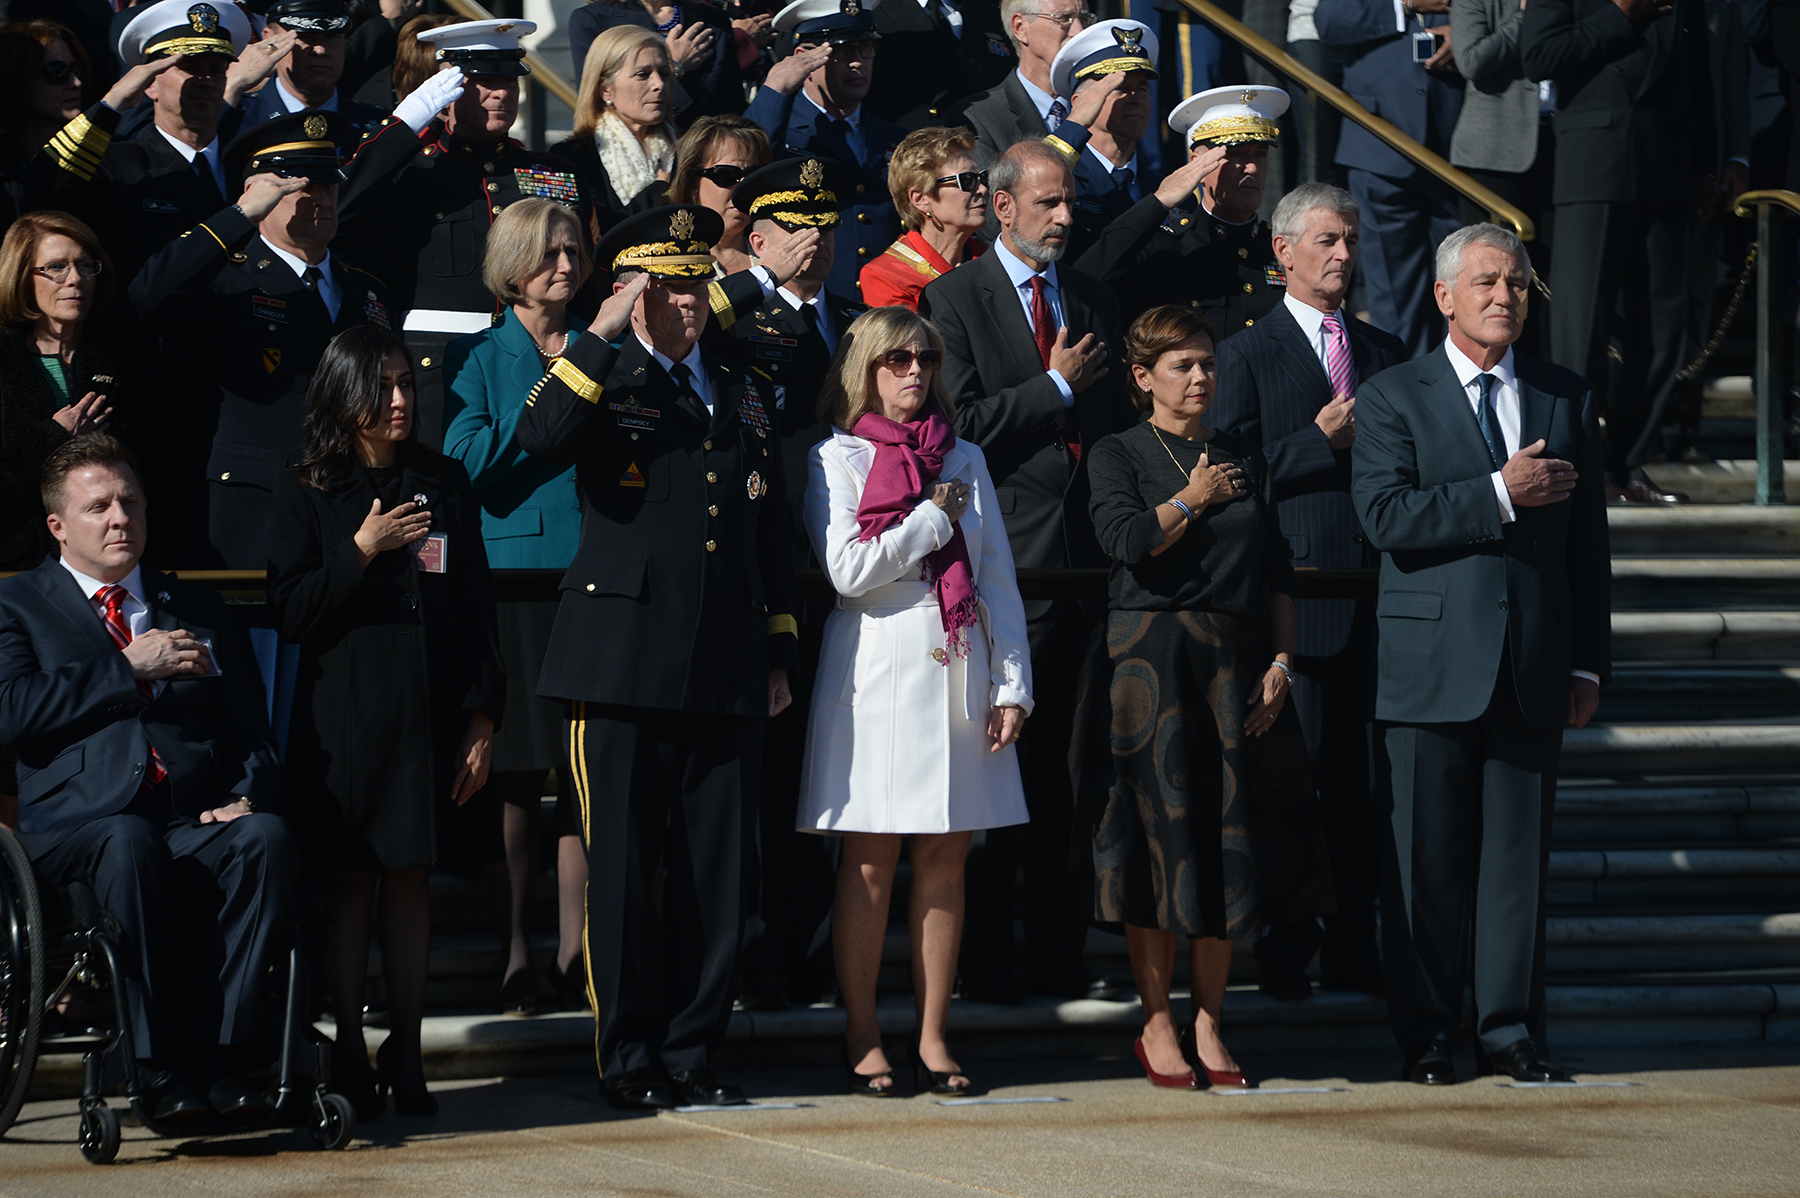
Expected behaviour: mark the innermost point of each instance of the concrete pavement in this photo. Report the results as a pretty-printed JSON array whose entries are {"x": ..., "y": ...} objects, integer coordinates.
[{"x": 1709, "y": 1121}]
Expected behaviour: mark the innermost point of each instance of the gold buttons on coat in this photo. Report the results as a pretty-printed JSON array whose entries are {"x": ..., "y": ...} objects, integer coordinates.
[
  {"x": 711, "y": 477},
  {"x": 225, "y": 476},
  {"x": 1242, "y": 252},
  {"x": 706, "y": 444},
  {"x": 862, "y": 251},
  {"x": 713, "y": 510},
  {"x": 634, "y": 436},
  {"x": 862, "y": 218},
  {"x": 1249, "y": 287},
  {"x": 424, "y": 361},
  {"x": 711, "y": 545},
  {"x": 492, "y": 186},
  {"x": 488, "y": 167},
  {"x": 938, "y": 655},
  {"x": 590, "y": 586}
]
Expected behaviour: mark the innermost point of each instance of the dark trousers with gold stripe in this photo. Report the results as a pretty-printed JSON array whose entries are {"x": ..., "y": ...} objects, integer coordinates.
[{"x": 667, "y": 801}]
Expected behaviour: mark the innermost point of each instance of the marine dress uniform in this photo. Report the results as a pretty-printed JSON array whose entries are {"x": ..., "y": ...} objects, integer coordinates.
[
  {"x": 675, "y": 610},
  {"x": 268, "y": 317},
  {"x": 1185, "y": 255},
  {"x": 418, "y": 206}
]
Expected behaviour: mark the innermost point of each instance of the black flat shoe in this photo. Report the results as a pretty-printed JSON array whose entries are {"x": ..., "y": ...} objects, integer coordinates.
[
  {"x": 354, "y": 1078},
  {"x": 1525, "y": 1062},
  {"x": 169, "y": 1099},
  {"x": 569, "y": 986},
  {"x": 639, "y": 1090},
  {"x": 928, "y": 1081},
  {"x": 235, "y": 1100},
  {"x": 518, "y": 993},
  {"x": 1430, "y": 1066},
  {"x": 406, "y": 1102},
  {"x": 864, "y": 1083},
  {"x": 698, "y": 1087}
]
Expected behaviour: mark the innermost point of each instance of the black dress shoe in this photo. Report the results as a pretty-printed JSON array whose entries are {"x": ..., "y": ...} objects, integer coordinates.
[
  {"x": 639, "y": 1090},
  {"x": 698, "y": 1087},
  {"x": 233, "y": 1099},
  {"x": 1430, "y": 1066},
  {"x": 1525, "y": 1062},
  {"x": 169, "y": 1099}
]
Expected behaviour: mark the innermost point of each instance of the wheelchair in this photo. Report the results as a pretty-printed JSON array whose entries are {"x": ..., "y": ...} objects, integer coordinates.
[{"x": 64, "y": 933}]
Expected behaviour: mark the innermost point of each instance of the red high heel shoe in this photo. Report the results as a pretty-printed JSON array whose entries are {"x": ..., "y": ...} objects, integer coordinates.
[
  {"x": 1214, "y": 1077},
  {"x": 1174, "y": 1081}
]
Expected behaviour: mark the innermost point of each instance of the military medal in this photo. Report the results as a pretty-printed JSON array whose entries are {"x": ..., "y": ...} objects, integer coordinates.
[{"x": 756, "y": 486}]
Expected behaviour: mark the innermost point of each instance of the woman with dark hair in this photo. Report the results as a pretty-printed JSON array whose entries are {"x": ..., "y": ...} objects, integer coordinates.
[
  {"x": 1213, "y": 827},
  {"x": 713, "y": 157},
  {"x": 377, "y": 570},
  {"x": 54, "y": 382},
  {"x": 43, "y": 75}
]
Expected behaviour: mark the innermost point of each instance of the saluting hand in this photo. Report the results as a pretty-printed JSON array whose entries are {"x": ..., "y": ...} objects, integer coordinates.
[
  {"x": 786, "y": 76},
  {"x": 128, "y": 92},
  {"x": 1084, "y": 110},
  {"x": 382, "y": 531},
  {"x": 1185, "y": 180},
  {"x": 787, "y": 254},
  {"x": 257, "y": 63},
  {"x": 614, "y": 316},
  {"x": 263, "y": 194}
]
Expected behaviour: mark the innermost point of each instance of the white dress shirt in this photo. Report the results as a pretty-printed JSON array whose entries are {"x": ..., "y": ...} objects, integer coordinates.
[
  {"x": 294, "y": 103},
  {"x": 134, "y": 609},
  {"x": 327, "y": 286},
  {"x": 817, "y": 304},
  {"x": 1040, "y": 98},
  {"x": 696, "y": 370},
  {"x": 952, "y": 14},
  {"x": 210, "y": 152},
  {"x": 1021, "y": 276},
  {"x": 1312, "y": 323},
  {"x": 1507, "y": 409}
]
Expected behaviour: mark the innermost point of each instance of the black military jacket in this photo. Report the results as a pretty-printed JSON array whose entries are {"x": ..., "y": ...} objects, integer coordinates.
[
  {"x": 417, "y": 208},
  {"x": 255, "y": 332},
  {"x": 775, "y": 340},
  {"x": 1154, "y": 255},
  {"x": 680, "y": 596}
]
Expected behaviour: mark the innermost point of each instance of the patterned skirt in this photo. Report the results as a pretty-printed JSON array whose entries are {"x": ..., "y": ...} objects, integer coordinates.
[{"x": 1206, "y": 831}]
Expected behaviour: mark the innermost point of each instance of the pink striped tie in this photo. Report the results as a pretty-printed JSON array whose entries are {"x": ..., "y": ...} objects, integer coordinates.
[{"x": 1338, "y": 362}]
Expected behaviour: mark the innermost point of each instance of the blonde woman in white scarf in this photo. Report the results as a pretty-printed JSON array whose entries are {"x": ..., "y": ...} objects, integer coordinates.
[{"x": 623, "y": 139}]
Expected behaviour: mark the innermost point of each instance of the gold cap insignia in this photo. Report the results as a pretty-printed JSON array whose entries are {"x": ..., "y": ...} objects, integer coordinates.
[
  {"x": 203, "y": 18},
  {"x": 506, "y": 28},
  {"x": 317, "y": 126},
  {"x": 1248, "y": 96},
  {"x": 1129, "y": 39},
  {"x": 851, "y": 8},
  {"x": 812, "y": 174},
  {"x": 681, "y": 225}
]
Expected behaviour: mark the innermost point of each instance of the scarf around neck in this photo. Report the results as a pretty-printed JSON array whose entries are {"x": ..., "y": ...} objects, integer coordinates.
[
  {"x": 908, "y": 460},
  {"x": 631, "y": 165}
]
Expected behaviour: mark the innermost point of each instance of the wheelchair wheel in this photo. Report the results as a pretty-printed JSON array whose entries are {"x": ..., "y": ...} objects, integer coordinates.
[
  {"x": 21, "y": 976},
  {"x": 334, "y": 1122},
  {"x": 99, "y": 1134}
]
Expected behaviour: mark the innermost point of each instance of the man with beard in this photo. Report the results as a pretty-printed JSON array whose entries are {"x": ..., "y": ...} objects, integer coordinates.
[
  {"x": 261, "y": 276},
  {"x": 308, "y": 75},
  {"x": 1120, "y": 56},
  {"x": 1203, "y": 249},
  {"x": 1012, "y": 306}
]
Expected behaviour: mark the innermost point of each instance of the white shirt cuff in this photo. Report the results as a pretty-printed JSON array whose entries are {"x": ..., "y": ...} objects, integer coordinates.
[
  {"x": 1506, "y": 507},
  {"x": 1062, "y": 385},
  {"x": 767, "y": 278},
  {"x": 1593, "y": 678},
  {"x": 1399, "y": 16}
]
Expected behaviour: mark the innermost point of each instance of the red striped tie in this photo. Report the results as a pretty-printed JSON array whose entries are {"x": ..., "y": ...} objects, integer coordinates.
[{"x": 113, "y": 599}]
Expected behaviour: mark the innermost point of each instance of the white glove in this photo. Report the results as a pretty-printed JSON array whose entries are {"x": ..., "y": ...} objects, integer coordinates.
[{"x": 430, "y": 98}]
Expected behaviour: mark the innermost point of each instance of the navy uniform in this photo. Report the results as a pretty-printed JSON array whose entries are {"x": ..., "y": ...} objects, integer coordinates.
[
  {"x": 418, "y": 207},
  {"x": 792, "y": 342},
  {"x": 140, "y": 192},
  {"x": 1103, "y": 192},
  {"x": 676, "y": 609},
  {"x": 1185, "y": 255},
  {"x": 863, "y": 141},
  {"x": 317, "y": 19},
  {"x": 267, "y": 324},
  {"x": 945, "y": 59}
]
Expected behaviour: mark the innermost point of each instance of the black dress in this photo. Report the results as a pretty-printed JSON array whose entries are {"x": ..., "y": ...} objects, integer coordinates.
[
  {"x": 1207, "y": 831},
  {"x": 392, "y": 661}
]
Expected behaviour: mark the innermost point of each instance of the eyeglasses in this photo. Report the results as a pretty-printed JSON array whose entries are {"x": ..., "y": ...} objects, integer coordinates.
[
  {"x": 725, "y": 175},
  {"x": 58, "y": 272},
  {"x": 967, "y": 180},
  {"x": 1066, "y": 18},
  {"x": 900, "y": 360},
  {"x": 57, "y": 71}
]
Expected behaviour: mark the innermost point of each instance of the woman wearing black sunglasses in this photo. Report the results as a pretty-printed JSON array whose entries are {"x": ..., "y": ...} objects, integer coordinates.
[
  {"x": 943, "y": 203},
  {"x": 42, "y": 75},
  {"x": 715, "y": 155}
]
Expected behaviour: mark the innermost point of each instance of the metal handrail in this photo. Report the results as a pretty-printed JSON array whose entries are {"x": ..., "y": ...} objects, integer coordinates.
[
  {"x": 1769, "y": 383},
  {"x": 1746, "y": 203},
  {"x": 1284, "y": 63},
  {"x": 542, "y": 73}
]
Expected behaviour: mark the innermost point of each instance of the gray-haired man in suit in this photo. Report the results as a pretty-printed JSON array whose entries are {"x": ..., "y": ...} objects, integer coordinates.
[{"x": 1477, "y": 473}]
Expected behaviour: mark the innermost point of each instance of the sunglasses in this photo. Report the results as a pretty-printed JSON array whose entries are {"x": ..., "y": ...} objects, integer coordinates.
[
  {"x": 900, "y": 360},
  {"x": 58, "y": 271},
  {"x": 57, "y": 71},
  {"x": 966, "y": 180},
  {"x": 725, "y": 175}
]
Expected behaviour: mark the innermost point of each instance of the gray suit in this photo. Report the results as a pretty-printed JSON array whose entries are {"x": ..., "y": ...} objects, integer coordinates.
[
  {"x": 1480, "y": 625},
  {"x": 1498, "y": 128}
]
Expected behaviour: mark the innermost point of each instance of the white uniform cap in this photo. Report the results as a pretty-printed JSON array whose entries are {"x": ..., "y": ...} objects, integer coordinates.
[
  {"x": 482, "y": 47},
  {"x": 834, "y": 21},
  {"x": 1102, "y": 49},
  {"x": 178, "y": 27},
  {"x": 1229, "y": 115}
]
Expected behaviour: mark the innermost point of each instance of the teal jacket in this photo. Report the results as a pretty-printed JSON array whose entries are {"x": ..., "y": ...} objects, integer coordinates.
[{"x": 530, "y": 515}]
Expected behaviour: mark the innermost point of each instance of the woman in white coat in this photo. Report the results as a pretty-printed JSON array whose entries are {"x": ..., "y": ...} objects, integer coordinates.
[{"x": 924, "y": 676}]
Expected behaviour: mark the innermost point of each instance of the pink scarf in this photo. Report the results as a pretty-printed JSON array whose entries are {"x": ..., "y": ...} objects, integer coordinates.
[{"x": 908, "y": 460}]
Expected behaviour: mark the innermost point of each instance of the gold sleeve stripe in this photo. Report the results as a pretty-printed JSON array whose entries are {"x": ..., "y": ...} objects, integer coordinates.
[
  {"x": 574, "y": 380},
  {"x": 531, "y": 399},
  {"x": 723, "y": 312},
  {"x": 214, "y": 236},
  {"x": 781, "y": 624},
  {"x": 1060, "y": 146},
  {"x": 78, "y": 145}
]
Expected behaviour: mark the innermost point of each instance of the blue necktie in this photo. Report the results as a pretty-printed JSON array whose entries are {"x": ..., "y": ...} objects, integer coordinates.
[
  {"x": 1490, "y": 423},
  {"x": 1058, "y": 110},
  {"x": 1122, "y": 177}
]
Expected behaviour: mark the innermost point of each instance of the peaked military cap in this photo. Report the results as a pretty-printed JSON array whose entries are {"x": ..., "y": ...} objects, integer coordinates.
[
  {"x": 796, "y": 193},
  {"x": 173, "y": 28},
  {"x": 672, "y": 242},
  {"x": 300, "y": 145}
]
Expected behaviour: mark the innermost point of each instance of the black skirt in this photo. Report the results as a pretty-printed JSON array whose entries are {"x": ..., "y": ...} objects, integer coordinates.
[
  {"x": 530, "y": 738},
  {"x": 1206, "y": 831}
]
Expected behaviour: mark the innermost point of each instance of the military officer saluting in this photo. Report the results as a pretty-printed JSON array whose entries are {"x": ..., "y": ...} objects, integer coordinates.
[
  {"x": 260, "y": 279},
  {"x": 671, "y": 648},
  {"x": 1205, "y": 249},
  {"x": 423, "y": 193},
  {"x": 307, "y": 76}
]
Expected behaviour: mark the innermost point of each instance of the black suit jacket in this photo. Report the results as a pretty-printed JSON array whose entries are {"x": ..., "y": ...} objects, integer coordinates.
[
  {"x": 82, "y": 728},
  {"x": 1007, "y": 403},
  {"x": 1001, "y": 117},
  {"x": 680, "y": 596},
  {"x": 922, "y": 67},
  {"x": 1456, "y": 583},
  {"x": 1634, "y": 101},
  {"x": 1271, "y": 387}
]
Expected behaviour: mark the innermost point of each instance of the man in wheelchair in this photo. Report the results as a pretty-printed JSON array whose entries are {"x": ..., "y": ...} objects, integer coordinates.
[{"x": 147, "y": 770}]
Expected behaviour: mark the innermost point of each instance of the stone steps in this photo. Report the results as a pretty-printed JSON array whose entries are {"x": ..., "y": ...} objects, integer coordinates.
[
  {"x": 1705, "y": 583},
  {"x": 1720, "y": 692},
  {"x": 1703, "y": 530},
  {"x": 1632, "y": 751},
  {"x": 1690, "y": 814},
  {"x": 1705, "y": 635},
  {"x": 1730, "y": 480}
]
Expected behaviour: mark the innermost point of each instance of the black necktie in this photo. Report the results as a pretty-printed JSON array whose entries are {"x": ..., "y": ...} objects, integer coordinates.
[
  {"x": 1122, "y": 177},
  {"x": 838, "y": 142},
  {"x": 810, "y": 315},
  {"x": 1490, "y": 421},
  {"x": 311, "y": 276},
  {"x": 684, "y": 386},
  {"x": 209, "y": 183}
]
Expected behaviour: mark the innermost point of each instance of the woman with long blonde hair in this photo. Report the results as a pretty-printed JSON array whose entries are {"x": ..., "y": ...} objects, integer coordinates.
[{"x": 624, "y": 140}]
